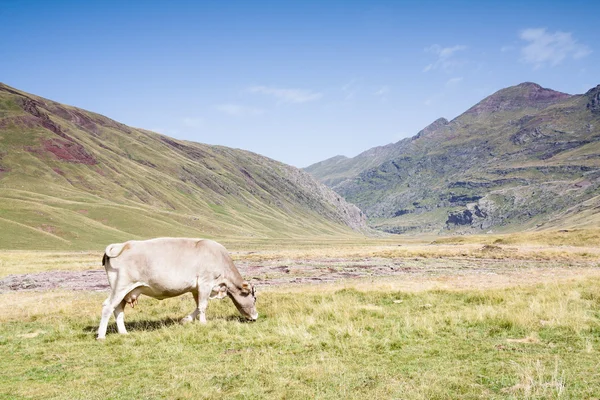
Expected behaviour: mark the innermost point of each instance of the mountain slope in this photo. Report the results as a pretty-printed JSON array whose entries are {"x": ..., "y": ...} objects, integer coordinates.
[
  {"x": 518, "y": 159},
  {"x": 336, "y": 170},
  {"x": 70, "y": 178}
]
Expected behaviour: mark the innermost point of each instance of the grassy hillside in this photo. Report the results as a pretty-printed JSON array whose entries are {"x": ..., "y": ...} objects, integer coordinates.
[
  {"x": 73, "y": 179},
  {"x": 523, "y": 158}
]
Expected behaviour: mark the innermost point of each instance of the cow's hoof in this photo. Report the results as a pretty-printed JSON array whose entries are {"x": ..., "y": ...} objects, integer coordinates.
[
  {"x": 185, "y": 320},
  {"x": 101, "y": 338}
]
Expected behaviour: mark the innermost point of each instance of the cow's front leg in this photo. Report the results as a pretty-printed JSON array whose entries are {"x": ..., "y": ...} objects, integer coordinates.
[
  {"x": 202, "y": 303},
  {"x": 120, "y": 318},
  {"x": 201, "y": 297},
  {"x": 204, "y": 293},
  {"x": 191, "y": 316}
]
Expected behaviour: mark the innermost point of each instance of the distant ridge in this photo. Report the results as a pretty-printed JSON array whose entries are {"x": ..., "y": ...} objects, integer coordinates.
[{"x": 525, "y": 157}]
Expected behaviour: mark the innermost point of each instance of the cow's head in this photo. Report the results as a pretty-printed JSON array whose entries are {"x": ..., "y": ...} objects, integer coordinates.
[{"x": 244, "y": 298}]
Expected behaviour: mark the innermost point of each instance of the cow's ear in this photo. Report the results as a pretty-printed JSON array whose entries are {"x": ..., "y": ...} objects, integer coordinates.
[
  {"x": 246, "y": 287},
  {"x": 219, "y": 291}
]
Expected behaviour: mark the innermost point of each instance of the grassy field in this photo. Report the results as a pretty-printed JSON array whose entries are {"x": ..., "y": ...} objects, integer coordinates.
[
  {"x": 566, "y": 245},
  {"x": 441, "y": 337}
]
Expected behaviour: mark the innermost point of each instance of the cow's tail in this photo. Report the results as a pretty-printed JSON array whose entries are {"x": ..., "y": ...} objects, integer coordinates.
[
  {"x": 104, "y": 260},
  {"x": 115, "y": 249}
]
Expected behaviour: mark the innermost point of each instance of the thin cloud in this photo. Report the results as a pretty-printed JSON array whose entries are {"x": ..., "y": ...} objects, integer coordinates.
[
  {"x": 349, "y": 89},
  {"x": 433, "y": 99},
  {"x": 192, "y": 122},
  {"x": 505, "y": 49},
  {"x": 446, "y": 59},
  {"x": 454, "y": 81},
  {"x": 239, "y": 110},
  {"x": 287, "y": 95},
  {"x": 382, "y": 91},
  {"x": 546, "y": 48}
]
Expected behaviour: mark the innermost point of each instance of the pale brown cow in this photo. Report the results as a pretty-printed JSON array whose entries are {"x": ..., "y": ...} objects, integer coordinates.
[{"x": 169, "y": 267}]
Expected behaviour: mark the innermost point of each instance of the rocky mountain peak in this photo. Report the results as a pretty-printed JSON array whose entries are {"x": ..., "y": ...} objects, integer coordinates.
[
  {"x": 593, "y": 96},
  {"x": 431, "y": 128},
  {"x": 531, "y": 85},
  {"x": 523, "y": 95}
]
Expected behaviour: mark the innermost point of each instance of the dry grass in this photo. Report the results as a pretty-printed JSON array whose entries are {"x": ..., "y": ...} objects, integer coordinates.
[
  {"x": 526, "y": 328},
  {"x": 24, "y": 262},
  {"x": 555, "y": 238},
  {"x": 290, "y": 252},
  {"x": 365, "y": 341}
]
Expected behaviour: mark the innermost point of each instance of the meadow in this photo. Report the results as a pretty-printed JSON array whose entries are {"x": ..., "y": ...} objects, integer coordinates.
[{"x": 527, "y": 328}]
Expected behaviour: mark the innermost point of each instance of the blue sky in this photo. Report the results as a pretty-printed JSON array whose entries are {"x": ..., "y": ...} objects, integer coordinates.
[{"x": 297, "y": 81}]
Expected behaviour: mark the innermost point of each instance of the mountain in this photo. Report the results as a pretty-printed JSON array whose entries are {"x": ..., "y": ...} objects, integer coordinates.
[
  {"x": 73, "y": 179},
  {"x": 338, "y": 169},
  {"x": 525, "y": 157}
]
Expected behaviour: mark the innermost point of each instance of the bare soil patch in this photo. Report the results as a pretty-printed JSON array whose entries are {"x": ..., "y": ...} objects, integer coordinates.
[
  {"x": 70, "y": 280},
  {"x": 415, "y": 273}
]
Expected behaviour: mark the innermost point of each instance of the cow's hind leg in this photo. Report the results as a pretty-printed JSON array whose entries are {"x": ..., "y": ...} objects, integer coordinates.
[
  {"x": 120, "y": 318},
  {"x": 108, "y": 307},
  {"x": 106, "y": 311}
]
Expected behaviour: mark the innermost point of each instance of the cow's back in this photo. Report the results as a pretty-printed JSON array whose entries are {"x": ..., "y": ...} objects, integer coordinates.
[{"x": 171, "y": 264}]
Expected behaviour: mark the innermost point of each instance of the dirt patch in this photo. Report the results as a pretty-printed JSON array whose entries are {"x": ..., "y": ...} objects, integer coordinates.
[
  {"x": 451, "y": 273},
  {"x": 48, "y": 228},
  {"x": 70, "y": 280}
]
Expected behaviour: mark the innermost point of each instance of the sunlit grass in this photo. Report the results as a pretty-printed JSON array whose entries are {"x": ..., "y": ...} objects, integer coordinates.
[
  {"x": 557, "y": 237},
  {"x": 519, "y": 332},
  {"x": 23, "y": 262},
  {"x": 537, "y": 341},
  {"x": 505, "y": 247}
]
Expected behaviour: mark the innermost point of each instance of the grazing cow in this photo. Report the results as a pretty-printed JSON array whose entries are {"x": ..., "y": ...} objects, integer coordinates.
[{"x": 169, "y": 267}]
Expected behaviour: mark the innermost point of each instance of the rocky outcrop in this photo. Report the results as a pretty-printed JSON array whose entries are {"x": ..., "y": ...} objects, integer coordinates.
[
  {"x": 344, "y": 212},
  {"x": 65, "y": 148},
  {"x": 593, "y": 96}
]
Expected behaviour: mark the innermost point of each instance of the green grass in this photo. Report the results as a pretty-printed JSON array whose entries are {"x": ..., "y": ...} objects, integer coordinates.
[
  {"x": 85, "y": 222},
  {"x": 562, "y": 237},
  {"x": 139, "y": 184},
  {"x": 26, "y": 262},
  {"x": 326, "y": 342}
]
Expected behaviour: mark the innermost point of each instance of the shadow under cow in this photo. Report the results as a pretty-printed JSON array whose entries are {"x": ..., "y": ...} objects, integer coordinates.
[{"x": 149, "y": 325}]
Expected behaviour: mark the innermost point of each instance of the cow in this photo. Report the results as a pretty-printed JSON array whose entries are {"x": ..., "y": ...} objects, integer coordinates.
[{"x": 169, "y": 267}]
